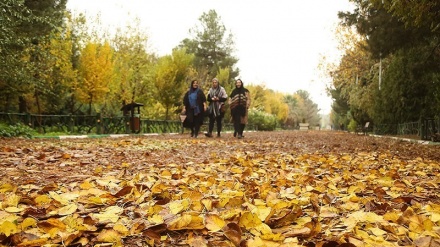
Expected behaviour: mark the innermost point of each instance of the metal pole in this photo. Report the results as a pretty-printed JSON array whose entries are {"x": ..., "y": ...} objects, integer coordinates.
[{"x": 380, "y": 71}]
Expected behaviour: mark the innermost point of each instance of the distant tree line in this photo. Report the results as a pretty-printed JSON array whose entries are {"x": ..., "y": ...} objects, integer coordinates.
[
  {"x": 54, "y": 63},
  {"x": 390, "y": 69}
]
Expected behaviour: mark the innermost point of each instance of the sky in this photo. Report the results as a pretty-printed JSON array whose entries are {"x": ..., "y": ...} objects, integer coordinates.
[{"x": 279, "y": 43}]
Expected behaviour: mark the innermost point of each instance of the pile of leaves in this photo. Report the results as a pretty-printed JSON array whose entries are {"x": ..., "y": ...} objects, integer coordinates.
[{"x": 269, "y": 189}]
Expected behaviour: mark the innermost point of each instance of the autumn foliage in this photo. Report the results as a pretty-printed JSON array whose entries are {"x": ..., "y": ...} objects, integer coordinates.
[{"x": 313, "y": 188}]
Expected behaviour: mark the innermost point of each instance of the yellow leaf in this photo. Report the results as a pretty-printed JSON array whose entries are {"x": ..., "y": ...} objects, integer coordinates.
[
  {"x": 391, "y": 216},
  {"x": 12, "y": 200},
  {"x": 156, "y": 219},
  {"x": 66, "y": 210},
  {"x": 415, "y": 227},
  {"x": 187, "y": 221},
  {"x": 7, "y": 188},
  {"x": 125, "y": 165},
  {"x": 435, "y": 217},
  {"x": 13, "y": 209},
  {"x": 263, "y": 229},
  {"x": 214, "y": 223},
  {"x": 420, "y": 173},
  {"x": 8, "y": 228},
  {"x": 262, "y": 212},
  {"x": 109, "y": 236},
  {"x": 236, "y": 170},
  {"x": 42, "y": 199},
  {"x": 75, "y": 223},
  {"x": 56, "y": 223},
  {"x": 121, "y": 229},
  {"x": 377, "y": 231},
  {"x": 97, "y": 200},
  {"x": 86, "y": 185},
  {"x": 111, "y": 214},
  {"x": 178, "y": 206},
  {"x": 249, "y": 220},
  {"x": 36, "y": 242},
  {"x": 273, "y": 237},
  {"x": 27, "y": 223},
  {"x": 166, "y": 174},
  {"x": 58, "y": 198}
]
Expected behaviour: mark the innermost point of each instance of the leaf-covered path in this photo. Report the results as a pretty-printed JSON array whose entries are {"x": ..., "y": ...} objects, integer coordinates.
[{"x": 293, "y": 188}]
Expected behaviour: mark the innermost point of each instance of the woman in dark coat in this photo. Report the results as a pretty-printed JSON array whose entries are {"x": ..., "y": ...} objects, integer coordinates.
[
  {"x": 239, "y": 102},
  {"x": 195, "y": 106}
]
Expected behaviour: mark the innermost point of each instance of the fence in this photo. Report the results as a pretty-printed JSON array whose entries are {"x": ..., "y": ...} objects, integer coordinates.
[
  {"x": 425, "y": 129},
  {"x": 95, "y": 124}
]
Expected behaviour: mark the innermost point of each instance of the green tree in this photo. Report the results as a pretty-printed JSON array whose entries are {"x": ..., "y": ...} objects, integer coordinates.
[
  {"x": 291, "y": 103},
  {"x": 396, "y": 63},
  {"x": 133, "y": 70},
  {"x": 307, "y": 110},
  {"x": 212, "y": 46},
  {"x": 171, "y": 79},
  {"x": 423, "y": 13},
  {"x": 24, "y": 24}
]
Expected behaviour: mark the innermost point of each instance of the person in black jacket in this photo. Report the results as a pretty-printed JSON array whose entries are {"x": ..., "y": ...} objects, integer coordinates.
[
  {"x": 195, "y": 106},
  {"x": 239, "y": 103}
]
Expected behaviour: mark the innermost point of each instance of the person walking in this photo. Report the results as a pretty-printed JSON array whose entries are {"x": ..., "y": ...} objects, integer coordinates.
[
  {"x": 194, "y": 103},
  {"x": 239, "y": 103},
  {"x": 216, "y": 97}
]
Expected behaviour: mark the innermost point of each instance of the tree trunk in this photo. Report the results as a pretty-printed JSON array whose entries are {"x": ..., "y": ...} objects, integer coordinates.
[{"x": 22, "y": 105}]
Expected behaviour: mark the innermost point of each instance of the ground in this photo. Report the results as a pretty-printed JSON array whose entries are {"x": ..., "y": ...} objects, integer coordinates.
[{"x": 291, "y": 188}]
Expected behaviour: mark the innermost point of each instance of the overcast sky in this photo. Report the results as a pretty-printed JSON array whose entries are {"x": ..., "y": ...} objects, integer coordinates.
[{"x": 279, "y": 43}]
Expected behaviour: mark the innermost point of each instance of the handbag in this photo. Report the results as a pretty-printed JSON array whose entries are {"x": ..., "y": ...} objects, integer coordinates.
[
  {"x": 223, "y": 108},
  {"x": 182, "y": 117}
]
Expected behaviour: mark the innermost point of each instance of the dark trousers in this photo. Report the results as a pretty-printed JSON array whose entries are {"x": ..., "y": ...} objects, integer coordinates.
[
  {"x": 212, "y": 120},
  {"x": 195, "y": 126},
  {"x": 238, "y": 126}
]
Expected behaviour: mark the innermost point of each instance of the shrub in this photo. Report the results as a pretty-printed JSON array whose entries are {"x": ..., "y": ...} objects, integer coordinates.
[
  {"x": 262, "y": 120},
  {"x": 352, "y": 126},
  {"x": 15, "y": 130}
]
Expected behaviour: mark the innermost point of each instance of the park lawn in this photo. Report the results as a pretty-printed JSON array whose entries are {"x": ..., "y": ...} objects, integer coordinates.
[{"x": 291, "y": 188}]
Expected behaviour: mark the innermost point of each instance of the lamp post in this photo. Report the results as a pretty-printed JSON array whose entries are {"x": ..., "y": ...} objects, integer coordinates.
[{"x": 380, "y": 69}]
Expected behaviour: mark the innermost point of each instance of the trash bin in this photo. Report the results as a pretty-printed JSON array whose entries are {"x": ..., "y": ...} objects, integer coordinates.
[
  {"x": 135, "y": 118},
  {"x": 136, "y": 123}
]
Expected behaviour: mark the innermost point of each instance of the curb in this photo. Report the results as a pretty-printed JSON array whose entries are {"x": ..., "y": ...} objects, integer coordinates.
[
  {"x": 95, "y": 136},
  {"x": 423, "y": 142}
]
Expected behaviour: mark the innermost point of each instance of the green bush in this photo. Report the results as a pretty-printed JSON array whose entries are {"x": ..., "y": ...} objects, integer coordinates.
[
  {"x": 352, "y": 126},
  {"x": 262, "y": 120},
  {"x": 16, "y": 130}
]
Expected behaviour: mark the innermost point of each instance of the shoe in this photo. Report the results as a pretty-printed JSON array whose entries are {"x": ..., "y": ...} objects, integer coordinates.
[
  {"x": 208, "y": 134},
  {"x": 235, "y": 134},
  {"x": 218, "y": 134},
  {"x": 239, "y": 137}
]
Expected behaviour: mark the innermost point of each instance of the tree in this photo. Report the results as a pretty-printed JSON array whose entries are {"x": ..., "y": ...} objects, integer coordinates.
[
  {"x": 63, "y": 76},
  {"x": 24, "y": 24},
  {"x": 96, "y": 73},
  {"x": 270, "y": 102},
  {"x": 171, "y": 79},
  {"x": 212, "y": 47},
  {"x": 291, "y": 103},
  {"x": 307, "y": 110},
  {"x": 423, "y": 13},
  {"x": 405, "y": 52},
  {"x": 133, "y": 70}
]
